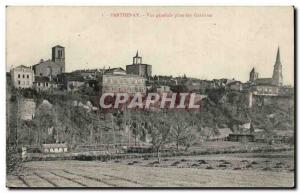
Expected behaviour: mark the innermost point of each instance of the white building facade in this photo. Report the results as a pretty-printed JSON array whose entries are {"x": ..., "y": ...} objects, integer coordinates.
[{"x": 22, "y": 77}]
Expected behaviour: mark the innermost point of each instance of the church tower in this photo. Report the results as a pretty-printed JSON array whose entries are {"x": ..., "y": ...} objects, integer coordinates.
[
  {"x": 277, "y": 78},
  {"x": 137, "y": 59},
  {"x": 58, "y": 56},
  {"x": 253, "y": 75}
]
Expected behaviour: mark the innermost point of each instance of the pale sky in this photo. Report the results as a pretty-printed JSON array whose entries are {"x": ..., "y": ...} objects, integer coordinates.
[{"x": 226, "y": 43}]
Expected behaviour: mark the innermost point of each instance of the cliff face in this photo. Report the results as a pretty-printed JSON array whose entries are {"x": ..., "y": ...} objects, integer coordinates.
[
  {"x": 29, "y": 122},
  {"x": 26, "y": 108}
]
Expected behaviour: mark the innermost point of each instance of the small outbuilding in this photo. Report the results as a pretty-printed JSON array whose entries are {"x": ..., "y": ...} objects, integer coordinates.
[
  {"x": 222, "y": 135},
  {"x": 55, "y": 148}
]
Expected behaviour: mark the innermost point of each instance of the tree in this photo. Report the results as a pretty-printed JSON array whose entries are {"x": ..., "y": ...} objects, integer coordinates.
[
  {"x": 159, "y": 128},
  {"x": 179, "y": 128},
  {"x": 192, "y": 136},
  {"x": 135, "y": 122},
  {"x": 183, "y": 132}
]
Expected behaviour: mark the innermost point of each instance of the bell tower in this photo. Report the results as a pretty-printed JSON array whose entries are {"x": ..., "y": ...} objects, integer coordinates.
[
  {"x": 137, "y": 59},
  {"x": 253, "y": 75},
  {"x": 277, "y": 78},
  {"x": 58, "y": 56}
]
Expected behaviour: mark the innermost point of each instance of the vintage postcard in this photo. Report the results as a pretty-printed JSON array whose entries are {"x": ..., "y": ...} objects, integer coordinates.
[{"x": 176, "y": 97}]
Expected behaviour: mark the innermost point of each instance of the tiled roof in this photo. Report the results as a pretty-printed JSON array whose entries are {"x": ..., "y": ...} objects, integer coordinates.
[
  {"x": 58, "y": 46},
  {"x": 54, "y": 145},
  {"x": 41, "y": 79},
  {"x": 111, "y": 70},
  {"x": 75, "y": 78},
  {"x": 263, "y": 81},
  {"x": 22, "y": 66}
]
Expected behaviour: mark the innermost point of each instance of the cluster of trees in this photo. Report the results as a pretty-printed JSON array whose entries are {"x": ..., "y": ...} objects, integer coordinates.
[
  {"x": 62, "y": 121},
  {"x": 165, "y": 128}
]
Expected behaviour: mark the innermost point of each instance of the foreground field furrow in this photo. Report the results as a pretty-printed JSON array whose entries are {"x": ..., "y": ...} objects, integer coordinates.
[
  {"x": 13, "y": 181},
  {"x": 120, "y": 178},
  {"x": 58, "y": 181},
  {"x": 154, "y": 177},
  {"x": 88, "y": 182},
  {"x": 46, "y": 179},
  {"x": 230, "y": 170},
  {"x": 70, "y": 179},
  {"x": 23, "y": 181},
  {"x": 97, "y": 179},
  {"x": 128, "y": 180}
]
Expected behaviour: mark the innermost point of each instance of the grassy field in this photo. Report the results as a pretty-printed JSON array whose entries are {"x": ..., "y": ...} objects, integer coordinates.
[{"x": 230, "y": 170}]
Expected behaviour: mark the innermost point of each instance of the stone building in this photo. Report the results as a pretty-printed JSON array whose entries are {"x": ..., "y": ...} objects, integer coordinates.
[
  {"x": 55, "y": 148},
  {"x": 265, "y": 90},
  {"x": 43, "y": 83},
  {"x": 74, "y": 83},
  {"x": 22, "y": 77},
  {"x": 277, "y": 78},
  {"x": 89, "y": 74},
  {"x": 52, "y": 67},
  {"x": 116, "y": 80},
  {"x": 234, "y": 86},
  {"x": 138, "y": 67},
  {"x": 71, "y": 81},
  {"x": 267, "y": 86}
]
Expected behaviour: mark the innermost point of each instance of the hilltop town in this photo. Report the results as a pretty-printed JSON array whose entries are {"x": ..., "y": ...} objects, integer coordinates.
[{"x": 54, "y": 114}]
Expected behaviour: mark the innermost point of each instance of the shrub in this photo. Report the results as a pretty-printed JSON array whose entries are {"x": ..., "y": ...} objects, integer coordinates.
[{"x": 175, "y": 163}]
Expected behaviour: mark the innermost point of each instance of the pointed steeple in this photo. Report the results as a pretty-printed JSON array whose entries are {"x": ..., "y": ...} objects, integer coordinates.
[
  {"x": 278, "y": 57},
  {"x": 277, "y": 78},
  {"x": 137, "y": 53},
  {"x": 253, "y": 75}
]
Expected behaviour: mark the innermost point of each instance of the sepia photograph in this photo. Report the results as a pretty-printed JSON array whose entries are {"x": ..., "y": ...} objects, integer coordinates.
[{"x": 150, "y": 97}]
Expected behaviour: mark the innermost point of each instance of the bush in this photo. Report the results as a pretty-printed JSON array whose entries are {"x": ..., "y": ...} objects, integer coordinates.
[
  {"x": 13, "y": 159},
  {"x": 202, "y": 162},
  {"x": 175, "y": 163}
]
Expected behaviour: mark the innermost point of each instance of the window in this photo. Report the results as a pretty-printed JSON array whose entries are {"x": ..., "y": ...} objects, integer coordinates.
[
  {"x": 23, "y": 76},
  {"x": 19, "y": 82},
  {"x": 27, "y": 76},
  {"x": 59, "y": 53},
  {"x": 19, "y": 75}
]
